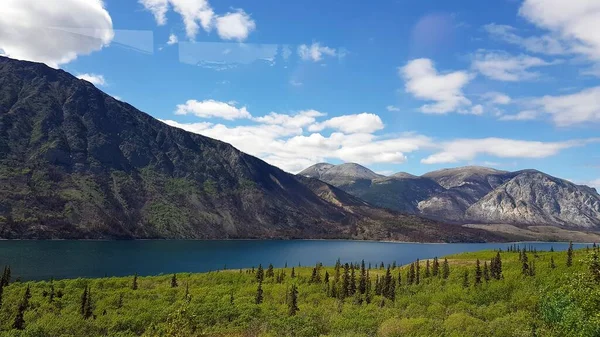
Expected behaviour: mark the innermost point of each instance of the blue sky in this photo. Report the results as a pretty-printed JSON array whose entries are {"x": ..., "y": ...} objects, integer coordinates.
[{"x": 394, "y": 85}]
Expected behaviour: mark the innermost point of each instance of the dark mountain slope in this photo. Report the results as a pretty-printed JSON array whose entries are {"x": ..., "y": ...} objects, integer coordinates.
[{"x": 76, "y": 163}]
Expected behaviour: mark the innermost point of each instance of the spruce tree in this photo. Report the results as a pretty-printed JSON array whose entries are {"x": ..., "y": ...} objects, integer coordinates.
[
  {"x": 259, "y": 294},
  {"x": 427, "y": 269},
  {"x": 486, "y": 272},
  {"x": 362, "y": 281},
  {"x": 435, "y": 270},
  {"x": 326, "y": 279},
  {"x": 466, "y": 279},
  {"x": 411, "y": 274},
  {"x": 270, "y": 272},
  {"x": 345, "y": 281},
  {"x": 389, "y": 288},
  {"x": 134, "y": 284},
  {"x": 525, "y": 264},
  {"x": 293, "y": 302},
  {"x": 313, "y": 276},
  {"x": 478, "y": 273},
  {"x": 293, "y": 273},
  {"x": 19, "y": 322},
  {"x": 595, "y": 266},
  {"x": 88, "y": 312},
  {"x": 570, "y": 254},
  {"x": 174, "y": 281},
  {"x": 336, "y": 276},
  {"x": 83, "y": 301},
  {"x": 260, "y": 274},
  {"x": 552, "y": 264},
  {"x": 445, "y": 269},
  {"x": 352, "y": 285},
  {"x": 417, "y": 272}
]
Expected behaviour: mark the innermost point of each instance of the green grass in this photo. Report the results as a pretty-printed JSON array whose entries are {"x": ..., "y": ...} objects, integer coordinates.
[{"x": 564, "y": 301}]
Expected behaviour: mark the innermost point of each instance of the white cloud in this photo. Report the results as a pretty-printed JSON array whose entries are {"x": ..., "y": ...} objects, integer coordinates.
[
  {"x": 298, "y": 120},
  {"x": 424, "y": 82},
  {"x": 524, "y": 115},
  {"x": 502, "y": 66},
  {"x": 172, "y": 39},
  {"x": 571, "y": 109},
  {"x": 545, "y": 44},
  {"x": 211, "y": 108},
  {"x": 595, "y": 184},
  {"x": 97, "y": 80},
  {"x": 315, "y": 52},
  {"x": 577, "y": 22},
  {"x": 359, "y": 123},
  {"x": 498, "y": 98},
  {"x": 392, "y": 108},
  {"x": 235, "y": 26},
  {"x": 44, "y": 31},
  {"x": 467, "y": 149},
  {"x": 296, "y": 83},
  {"x": 199, "y": 13}
]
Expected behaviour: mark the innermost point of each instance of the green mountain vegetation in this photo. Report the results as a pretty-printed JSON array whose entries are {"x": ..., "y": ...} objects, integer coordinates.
[{"x": 489, "y": 293}]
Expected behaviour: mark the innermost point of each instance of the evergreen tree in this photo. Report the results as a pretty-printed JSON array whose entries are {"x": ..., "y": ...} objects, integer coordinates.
[
  {"x": 393, "y": 265},
  {"x": 134, "y": 284},
  {"x": 427, "y": 269},
  {"x": 326, "y": 279},
  {"x": 486, "y": 272},
  {"x": 270, "y": 272},
  {"x": 525, "y": 264},
  {"x": 417, "y": 272},
  {"x": 293, "y": 273},
  {"x": 19, "y": 322},
  {"x": 336, "y": 276},
  {"x": 5, "y": 280},
  {"x": 478, "y": 273},
  {"x": 174, "y": 281},
  {"x": 377, "y": 286},
  {"x": 88, "y": 311},
  {"x": 362, "y": 281},
  {"x": 570, "y": 254},
  {"x": 551, "y": 249},
  {"x": 83, "y": 301},
  {"x": 445, "y": 269},
  {"x": 368, "y": 289},
  {"x": 293, "y": 302},
  {"x": 259, "y": 294},
  {"x": 51, "y": 295},
  {"x": 389, "y": 287},
  {"x": 345, "y": 281},
  {"x": 231, "y": 299},
  {"x": 595, "y": 266},
  {"x": 411, "y": 274},
  {"x": 465, "y": 283},
  {"x": 381, "y": 266},
  {"x": 552, "y": 264},
  {"x": 532, "y": 268},
  {"x": 352, "y": 285},
  {"x": 435, "y": 270},
  {"x": 314, "y": 276},
  {"x": 260, "y": 274},
  {"x": 399, "y": 279}
]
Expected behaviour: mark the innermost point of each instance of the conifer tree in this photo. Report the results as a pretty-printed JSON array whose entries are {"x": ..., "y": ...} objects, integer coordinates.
[
  {"x": 293, "y": 273},
  {"x": 445, "y": 269},
  {"x": 486, "y": 272},
  {"x": 435, "y": 270},
  {"x": 5, "y": 280},
  {"x": 411, "y": 274},
  {"x": 174, "y": 281},
  {"x": 399, "y": 279},
  {"x": 393, "y": 265},
  {"x": 88, "y": 312},
  {"x": 525, "y": 264},
  {"x": 134, "y": 284},
  {"x": 466, "y": 279},
  {"x": 595, "y": 266},
  {"x": 345, "y": 281},
  {"x": 478, "y": 273},
  {"x": 260, "y": 274},
  {"x": 231, "y": 298},
  {"x": 377, "y": 286},
  {"x": 259, "y": 294},
  {"x": 417, "y": 272},
  {"x": 293, "y": 302},
  {"x": 313, "y": 276},
  {"x": 336, "y": 276},
  {"x": 427, "y": 269},
  {"x": 270, "y": 272},
  {"x": 326, "y": 279},
  {"x": 352, "y": 285},
  {"x": 362, "y": 281},
  {"x": 552, "y": 264},
  {"x": 381, "y": 266},
  {"x": 570, "y": 254},
  {"x": 532, "y": 268},
  {"x": 389, "y": 288},
  {"x": 551, "y": 249},
  {"x": 83, "y": 301},
  {"x": 19, "y": 322},
  {"x": 498, "y": 266}
]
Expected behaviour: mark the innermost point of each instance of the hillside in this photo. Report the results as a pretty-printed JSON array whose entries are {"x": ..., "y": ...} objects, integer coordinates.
[
  {"x": 480, "y": 195},
  {"x": 537, "y": 296},
  {"x": 77, "y": 163}
]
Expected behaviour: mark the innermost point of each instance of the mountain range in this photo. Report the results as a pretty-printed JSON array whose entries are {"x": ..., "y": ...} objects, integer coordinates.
[
  {"x": 471, "y": 195},
  {"x": 78, "y": 163}
]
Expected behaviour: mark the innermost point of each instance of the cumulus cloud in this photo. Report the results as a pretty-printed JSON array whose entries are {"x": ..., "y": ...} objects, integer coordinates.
[
  {"x": 545, "y": 44},
  {"x": 298, "y": 120},
  {"x": 315, "y": 52},
  {"x": 577, "y": 108},
  {"x": 499, "y": 98},
  {"x": 199, "y": 13},
  {"x": 211, "y": 108},
  {"x": 525, "y": 115},
  {"x": 97, "y": 80},
  {"x": 577, "y": 22},
  {"x": 235, "y": 26},
  {"x": 468, "y": 149},
  {"x": 172, "y": 39},
  {"x": 359, "y": 123},
  {"x": 445, "y": 90},
  {"x": 392, "y": 108},
  {"x": 502, "y": 66},
  {"x": 43, "y": 31}
]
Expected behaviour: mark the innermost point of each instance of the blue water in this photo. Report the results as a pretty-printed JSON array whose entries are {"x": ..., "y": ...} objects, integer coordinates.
[{"x": 38, "y": 260}]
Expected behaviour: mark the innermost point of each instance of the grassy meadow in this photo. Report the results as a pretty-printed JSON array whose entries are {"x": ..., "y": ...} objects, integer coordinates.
[{"x": 541, "y": 296}]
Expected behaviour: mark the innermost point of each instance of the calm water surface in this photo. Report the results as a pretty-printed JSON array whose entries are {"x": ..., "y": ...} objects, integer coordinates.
[{"x": 37, "y": 260}]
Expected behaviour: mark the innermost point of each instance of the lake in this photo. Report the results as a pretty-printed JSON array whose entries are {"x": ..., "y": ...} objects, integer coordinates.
[{"x": 39, "y": 260}]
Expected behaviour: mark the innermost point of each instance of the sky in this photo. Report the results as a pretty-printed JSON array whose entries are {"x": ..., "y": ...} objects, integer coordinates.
[{"x": 396, "y": 85}]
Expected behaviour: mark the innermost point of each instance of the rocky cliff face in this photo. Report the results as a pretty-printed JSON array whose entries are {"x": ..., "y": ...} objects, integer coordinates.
[
  {"x": 76, "y": 163},
  {"x": 485, "y": 195}
]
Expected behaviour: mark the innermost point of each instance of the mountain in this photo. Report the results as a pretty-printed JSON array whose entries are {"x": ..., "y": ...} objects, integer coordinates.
[
  {"x": 484, "y": 195},
  {"x": 77, "y": 163},
  {"x": 401, "y": 191}
]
